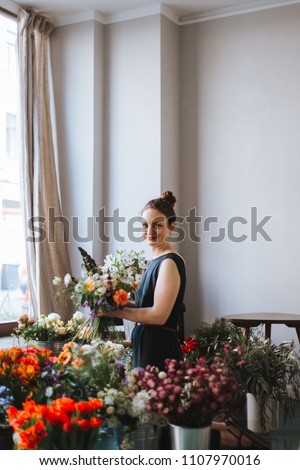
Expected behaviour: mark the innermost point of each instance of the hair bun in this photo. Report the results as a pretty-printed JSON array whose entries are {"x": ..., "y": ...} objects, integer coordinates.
[{"x": 169, "y": 197}]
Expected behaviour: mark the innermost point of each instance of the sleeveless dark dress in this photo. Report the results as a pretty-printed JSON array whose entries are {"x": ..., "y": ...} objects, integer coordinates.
[{"x": 153, "y": 344}]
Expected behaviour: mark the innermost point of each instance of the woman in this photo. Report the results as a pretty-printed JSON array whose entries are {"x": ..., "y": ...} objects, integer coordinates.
[{"x": 159, "y": 297}]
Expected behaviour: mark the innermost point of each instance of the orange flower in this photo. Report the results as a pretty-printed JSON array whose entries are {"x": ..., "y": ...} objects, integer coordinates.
[
  {"x": 120, "y": 297},
  {"x": 64, "y": 357},
  {"x": 31, "y": 437},
  {"x": 76, "y": 363}
]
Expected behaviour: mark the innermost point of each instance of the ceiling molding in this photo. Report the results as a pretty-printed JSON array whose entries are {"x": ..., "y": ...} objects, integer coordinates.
[
  {"x": 115, "y": 17},
  {"x": 10, "y": 6},
  {"x": 78, "y": 18},
  {"x": 234, "y": 10},
  {"x": 168, "y": 12},
  {"x": 141, "y": 12}
]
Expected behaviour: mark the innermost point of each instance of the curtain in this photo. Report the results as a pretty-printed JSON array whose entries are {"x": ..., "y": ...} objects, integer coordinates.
[{"x": 46, "y": 248}]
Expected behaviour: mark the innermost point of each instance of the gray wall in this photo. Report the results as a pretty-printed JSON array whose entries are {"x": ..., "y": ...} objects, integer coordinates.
[
  {"x": 240, "y": 148},
  {"x": 210, "y": 110}
]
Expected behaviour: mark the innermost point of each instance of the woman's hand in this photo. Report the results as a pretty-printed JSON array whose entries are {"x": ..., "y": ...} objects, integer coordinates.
[{"x": 100, "y": 312}]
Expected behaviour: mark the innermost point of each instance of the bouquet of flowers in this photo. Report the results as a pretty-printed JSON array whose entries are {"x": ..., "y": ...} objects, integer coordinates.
[
  {"x": 108, "y": 286},
  {"x": 126, "y": 408},
  {"x": 48, "y": 328},
  {"x": 20, "y": 370},
  {"x": 190, "y": 395},
  {"x": 80, "y": 371},
  {"x": 63, "y": 425},
  {"x": 209, "y": 340}
]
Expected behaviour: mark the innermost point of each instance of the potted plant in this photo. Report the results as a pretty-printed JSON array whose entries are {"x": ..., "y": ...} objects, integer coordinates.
[
  {"x": 127, "y": 412},
  {"x": 49, "y": 331},
  {"x": 261, "y": 368},
  {"x": 266, "y": 371},
  {"x": 209, "y": 339},
  {"x": 21, "y": 371},
  {"x": 189, "y": 396}
]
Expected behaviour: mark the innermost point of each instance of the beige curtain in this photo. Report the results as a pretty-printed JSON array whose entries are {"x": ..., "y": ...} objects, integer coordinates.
[{"x": 46, "y": 249}]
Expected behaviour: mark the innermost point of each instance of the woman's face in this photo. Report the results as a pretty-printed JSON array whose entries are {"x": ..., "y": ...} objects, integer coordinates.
[{"x": 155, "y": 227}]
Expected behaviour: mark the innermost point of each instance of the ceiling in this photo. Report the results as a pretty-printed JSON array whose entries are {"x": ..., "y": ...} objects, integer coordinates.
[{"x": 181, "y": 9}]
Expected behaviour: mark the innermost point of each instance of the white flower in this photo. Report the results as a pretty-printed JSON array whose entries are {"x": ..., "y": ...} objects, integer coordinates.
[
  {"x": 49, "y": 392},
  {"x": 53, "y": 317},
  {"x": 61, "y": 331},
  {"x": 42, "y": 320},
  {"x": 79, "y": 316},
  {"x": 108, "y": 400},
  {"x": 110, "y": 410},
  {"x": 56, "y": 281},
  {"x": 139, "y": 403},
  {"x": 67, "y": 280}
]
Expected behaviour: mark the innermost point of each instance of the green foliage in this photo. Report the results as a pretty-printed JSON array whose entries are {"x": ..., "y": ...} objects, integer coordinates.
[{"x": 260, "y": 367}]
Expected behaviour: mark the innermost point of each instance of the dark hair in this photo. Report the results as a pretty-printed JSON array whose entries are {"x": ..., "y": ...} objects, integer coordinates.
[{"x": 164, "y": 204}]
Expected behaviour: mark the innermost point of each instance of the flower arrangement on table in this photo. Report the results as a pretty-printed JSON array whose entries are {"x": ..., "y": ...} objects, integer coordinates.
[
  {"x": 190, "y": 395},
  {"x": 48, "y": 328},
  {"x": 109, "y": 286},
  {"x": 63, "y": 425},
  {"x": 20, "y": 371}
]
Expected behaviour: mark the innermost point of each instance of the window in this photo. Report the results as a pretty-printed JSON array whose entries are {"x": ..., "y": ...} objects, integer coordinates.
[
  {"x": 11, "y": 135},
  {"x": 13, "y": 276}
]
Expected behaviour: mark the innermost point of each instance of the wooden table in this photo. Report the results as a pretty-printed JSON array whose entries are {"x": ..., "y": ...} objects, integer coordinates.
[{"x": 250, "y": 320}]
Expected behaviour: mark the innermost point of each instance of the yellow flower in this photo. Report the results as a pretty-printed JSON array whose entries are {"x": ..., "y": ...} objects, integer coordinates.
[{"x": 89, "y": 284}]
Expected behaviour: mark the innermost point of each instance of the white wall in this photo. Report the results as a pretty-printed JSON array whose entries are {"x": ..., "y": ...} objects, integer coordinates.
[
  {"x": 133, "y": 120},
  {"x": 117, "y": 129},
  {"x": 77, "y": 57},
  {"x": 240, "y": 114}
]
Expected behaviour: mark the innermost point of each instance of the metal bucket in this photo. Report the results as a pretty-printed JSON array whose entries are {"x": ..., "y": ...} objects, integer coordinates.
[
  {"x": 184, "y": 438},
  {"x": 55, "y": 346},
  {"x": 138, "y": 438}
]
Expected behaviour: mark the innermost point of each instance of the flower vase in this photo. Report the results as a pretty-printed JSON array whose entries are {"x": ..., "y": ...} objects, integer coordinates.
[
  {"x": 55, "y": 346},
  {"x": 143, "y": 437},
  {"x": 106, "y": 440},
  {"x": 186, "y": 438},
  {"x": 6, "y": 438},
  {"x": 253, "y": 415}
]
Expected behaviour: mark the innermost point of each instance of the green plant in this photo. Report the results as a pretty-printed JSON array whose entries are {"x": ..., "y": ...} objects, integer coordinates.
[
  {"x": 260, "y": 367},
  {"x": 268, "y": 371},
  {"x": 209, "y": 339},
  {"x": 80, "y": 371}
]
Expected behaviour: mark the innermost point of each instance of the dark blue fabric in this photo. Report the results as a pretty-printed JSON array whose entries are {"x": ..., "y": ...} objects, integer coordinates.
[{"x": 153, "y": 344}]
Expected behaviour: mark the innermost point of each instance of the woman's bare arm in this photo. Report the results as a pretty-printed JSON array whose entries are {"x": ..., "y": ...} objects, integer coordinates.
[{"x": 166, "y": 291}]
